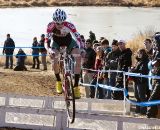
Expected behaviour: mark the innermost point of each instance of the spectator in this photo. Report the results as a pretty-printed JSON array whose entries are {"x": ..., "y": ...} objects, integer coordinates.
[
  {"x": 95, "y": 45},
  {"x": 155, "y": 94},
  {"x": 21, "y": 56},
  {"x": 35, "y": 53},
  {"x": 106, "y": 49},
  {"x": 82, "y": 39},
  {"x": 111, "y": 63},
  {"x": 141, "y": 84},
  {"x": 149, "y": 47},
  {"x": 124, "y": 63},
  {"x": 105, "y": 46},
  {"x": 92, "y": 36},
  {"x": 101, "y": 38},
  {"x": 149, "y": 50},
  {"x": 43, "y": 51},
  {"x": 89, "y": 62},
  {"x": 98, "y": 66},
  {"x": 8, "y": 49}
]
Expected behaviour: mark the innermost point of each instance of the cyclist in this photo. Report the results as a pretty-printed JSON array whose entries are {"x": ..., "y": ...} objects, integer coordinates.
[
  {"x": 59, "y": 30},
  {"x": 155, "y": 93}
]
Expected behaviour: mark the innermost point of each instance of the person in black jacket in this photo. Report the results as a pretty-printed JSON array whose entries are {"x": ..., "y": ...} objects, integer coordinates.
[
  {"x": 92, "y": 36},
  {"x": 148, "y": 47},
  {"x": 111, "y": 63},
  {"x": 21, "y": 57},
  {"x": 141, "y": 84},
  {"x": 43, "y": 52},
  {"x": 149, "y": 50},
  {"x": 88, "y": 63},
  {"x": 35, "y": 53},
  {"x": 8, "y": 49},
  {"x": 124, "y": 62},
  {"x": 155, "y": 93}
]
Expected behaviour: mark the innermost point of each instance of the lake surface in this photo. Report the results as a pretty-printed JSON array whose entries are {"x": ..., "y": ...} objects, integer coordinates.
[{"x": 111, "y": 22}]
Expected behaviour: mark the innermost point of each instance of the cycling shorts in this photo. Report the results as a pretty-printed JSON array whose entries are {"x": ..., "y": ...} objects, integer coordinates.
[{"x": 73, "y": 44}]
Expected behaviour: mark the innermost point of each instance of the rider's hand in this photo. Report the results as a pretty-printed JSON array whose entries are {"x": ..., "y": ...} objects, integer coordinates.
[{"x": 51, "y": 52}]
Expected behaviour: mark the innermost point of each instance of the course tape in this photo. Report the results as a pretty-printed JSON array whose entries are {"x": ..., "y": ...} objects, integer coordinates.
[
  {"x": 20, "y": 47},
  {"x": 88, "y": 85},
  {"x": 110, "y": 87},
  {"x": 143, "y": 104},
  {"x": 125, "y": 73},
  {"x": 102, "y": 86},
  {"x": 25, "y": 55},
  {"x": 140, "y": 75},
  {"x": 118, "y": 71}
]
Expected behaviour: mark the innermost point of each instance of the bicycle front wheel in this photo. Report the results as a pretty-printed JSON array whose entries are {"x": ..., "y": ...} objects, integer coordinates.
[{"x": 70, "y": 99}]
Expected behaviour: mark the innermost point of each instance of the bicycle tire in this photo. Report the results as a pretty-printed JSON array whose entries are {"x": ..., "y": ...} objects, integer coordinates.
[{"x": 70, "y": 99}]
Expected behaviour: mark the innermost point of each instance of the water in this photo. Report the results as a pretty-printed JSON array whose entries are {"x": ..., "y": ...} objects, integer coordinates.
[{"x": 112, "y": 22}]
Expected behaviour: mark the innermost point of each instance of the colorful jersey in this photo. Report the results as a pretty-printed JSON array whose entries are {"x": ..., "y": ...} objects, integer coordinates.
[{"x": 63, "y": 36}]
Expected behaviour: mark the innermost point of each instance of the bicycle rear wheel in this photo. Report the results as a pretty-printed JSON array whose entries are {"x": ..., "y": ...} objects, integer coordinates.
[{"x": 70, "y": 99}]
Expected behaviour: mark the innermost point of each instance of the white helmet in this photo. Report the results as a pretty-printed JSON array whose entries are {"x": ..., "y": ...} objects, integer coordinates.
[{"x": 59, "y": 16}]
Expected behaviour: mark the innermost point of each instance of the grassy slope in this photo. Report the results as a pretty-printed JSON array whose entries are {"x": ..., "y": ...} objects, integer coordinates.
[{"x": 28, "y": 3}]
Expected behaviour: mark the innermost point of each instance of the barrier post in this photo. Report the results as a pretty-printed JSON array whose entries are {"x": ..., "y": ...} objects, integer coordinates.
[
  {"x": 124, "y": 87},
  {"x": 97, "y": 84},
  {"x": 109, "y": 83}
]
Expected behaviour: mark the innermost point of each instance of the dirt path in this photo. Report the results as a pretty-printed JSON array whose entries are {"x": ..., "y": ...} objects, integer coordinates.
[{"x": 32, "y": 82}]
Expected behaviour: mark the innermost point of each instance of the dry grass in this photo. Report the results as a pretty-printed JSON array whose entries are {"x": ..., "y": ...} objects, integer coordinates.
[
  {"x": 155, "y": 3},
  {"x": 2, "y": 60},
  {"x": 137, "y": 42},
  {"x": 29, "y": 60},
  {"x": 27, "y": 3}
]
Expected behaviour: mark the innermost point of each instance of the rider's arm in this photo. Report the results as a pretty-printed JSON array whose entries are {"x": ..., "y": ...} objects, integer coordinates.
[
  {"x": 50, "y": 27},
  {"x": 73, "y": 30}
]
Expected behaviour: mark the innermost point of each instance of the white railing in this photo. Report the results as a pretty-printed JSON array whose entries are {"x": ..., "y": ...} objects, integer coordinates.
[{"x": 46, "y": 113}]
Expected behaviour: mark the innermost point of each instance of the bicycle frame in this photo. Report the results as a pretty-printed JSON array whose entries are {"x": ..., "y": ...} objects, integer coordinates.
[{"x": 68, "y": 66}]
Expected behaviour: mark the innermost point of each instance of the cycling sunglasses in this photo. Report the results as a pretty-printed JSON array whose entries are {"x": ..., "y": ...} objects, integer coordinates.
[{"x": 59, "y": 23}]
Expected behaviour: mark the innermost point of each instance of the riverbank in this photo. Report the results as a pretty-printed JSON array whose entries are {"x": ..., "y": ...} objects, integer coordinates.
[{"x": 48, "y": 3}]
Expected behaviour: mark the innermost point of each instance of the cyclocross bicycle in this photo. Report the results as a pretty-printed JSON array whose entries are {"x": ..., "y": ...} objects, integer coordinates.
[{"x": 67, "y": 70}]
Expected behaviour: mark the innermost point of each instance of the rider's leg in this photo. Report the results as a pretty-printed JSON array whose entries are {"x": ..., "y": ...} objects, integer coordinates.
[
  {"x": 77, "y": 70},
  {"x": 55, "y": 58},
  {"x": 75, "y": 51},
  {"x": 55, "y": 68}
]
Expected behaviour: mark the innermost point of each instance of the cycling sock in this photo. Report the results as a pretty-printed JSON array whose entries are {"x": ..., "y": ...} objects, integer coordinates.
[
  {"x": 58, "y": 77},
  {"x": 76, "y": 78}
]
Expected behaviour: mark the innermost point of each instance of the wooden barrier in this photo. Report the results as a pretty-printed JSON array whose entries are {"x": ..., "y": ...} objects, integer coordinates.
[{"x": 46, "y": 113}]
